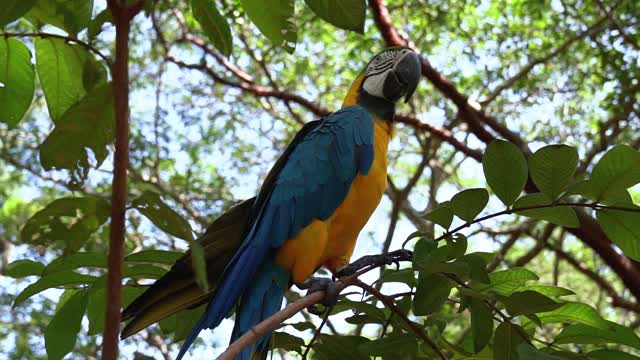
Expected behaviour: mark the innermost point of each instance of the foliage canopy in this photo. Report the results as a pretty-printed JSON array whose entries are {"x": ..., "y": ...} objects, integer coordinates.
[{"x": 513, "y": 173}]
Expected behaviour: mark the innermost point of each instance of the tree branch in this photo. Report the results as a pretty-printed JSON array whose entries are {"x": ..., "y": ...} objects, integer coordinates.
[
  {"x": 538, "y": 247},
  {"x": 589, "y": 232},
  {"x": 246, "y": 83},
  {"x": 122, "y": 15}
]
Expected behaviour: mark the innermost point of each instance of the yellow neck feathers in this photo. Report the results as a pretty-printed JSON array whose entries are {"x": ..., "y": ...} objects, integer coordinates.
[
  {"x": 352, "y": 99},
  {"x": 352, "y": 95}
]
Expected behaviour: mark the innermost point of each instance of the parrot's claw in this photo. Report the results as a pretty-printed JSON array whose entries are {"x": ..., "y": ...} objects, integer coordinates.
[
  {"x": 393, "y": 257},
  {"x": 314, "y": 284}
]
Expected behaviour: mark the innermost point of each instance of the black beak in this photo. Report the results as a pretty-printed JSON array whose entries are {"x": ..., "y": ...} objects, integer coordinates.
[
  {"x": 404, "y": 79},
  {"x": 409, "y": 71}
]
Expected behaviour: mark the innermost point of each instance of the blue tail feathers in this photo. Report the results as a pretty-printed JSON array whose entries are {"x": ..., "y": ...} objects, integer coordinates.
[
  {"x": 251, "y": 274},
  {"x": 259, "y": 302}
]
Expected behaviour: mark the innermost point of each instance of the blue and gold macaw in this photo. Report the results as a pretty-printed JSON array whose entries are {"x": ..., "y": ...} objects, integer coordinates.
[{"x": 308, "y": 213}]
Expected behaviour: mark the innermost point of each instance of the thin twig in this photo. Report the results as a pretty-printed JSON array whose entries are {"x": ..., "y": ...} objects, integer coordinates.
[
  {"x": 45, "y": 35},
  {"x": 594, "y": 206},
  {"x": 316, "y": 334},
  {"x": 392, "y": 306}
]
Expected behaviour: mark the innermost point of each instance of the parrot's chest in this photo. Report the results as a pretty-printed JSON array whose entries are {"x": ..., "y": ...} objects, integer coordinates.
[
  {"x": 331, "y": 242},
  {"x": 363, "y": 198}
]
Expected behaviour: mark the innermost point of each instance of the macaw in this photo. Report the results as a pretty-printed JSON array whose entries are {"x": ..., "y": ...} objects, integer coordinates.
[{"x": 308, "y": 213}]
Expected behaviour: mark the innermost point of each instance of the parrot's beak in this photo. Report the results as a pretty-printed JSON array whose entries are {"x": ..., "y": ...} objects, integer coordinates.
[{"x": 404, "y": 79}]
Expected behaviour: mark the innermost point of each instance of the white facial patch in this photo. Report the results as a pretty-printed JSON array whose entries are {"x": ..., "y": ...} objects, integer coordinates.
[{"x": 374, "y": 84}]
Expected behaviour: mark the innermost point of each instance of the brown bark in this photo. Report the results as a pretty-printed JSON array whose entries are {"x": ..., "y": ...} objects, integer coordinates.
[{"x": 122, "y": 16}]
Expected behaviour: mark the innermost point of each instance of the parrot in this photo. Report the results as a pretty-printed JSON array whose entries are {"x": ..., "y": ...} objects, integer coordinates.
[{"x": 308, "y": 213}]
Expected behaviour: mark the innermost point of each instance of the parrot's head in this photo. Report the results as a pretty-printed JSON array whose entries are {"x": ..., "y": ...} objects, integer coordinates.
[{"x": 390, "y": 75}]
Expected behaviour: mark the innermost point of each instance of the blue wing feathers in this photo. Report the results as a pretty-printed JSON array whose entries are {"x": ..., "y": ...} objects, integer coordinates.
[{"x": 311, "y": 185}]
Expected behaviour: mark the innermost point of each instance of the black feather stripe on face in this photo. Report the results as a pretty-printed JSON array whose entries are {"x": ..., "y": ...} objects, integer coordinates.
[{"x": 381, "y": 63}]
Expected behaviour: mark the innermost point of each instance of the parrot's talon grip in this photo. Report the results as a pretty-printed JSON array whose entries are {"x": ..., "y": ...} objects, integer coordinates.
[
  {"x": 394, "y": 257},
  {"x": 314, "y": 284}
]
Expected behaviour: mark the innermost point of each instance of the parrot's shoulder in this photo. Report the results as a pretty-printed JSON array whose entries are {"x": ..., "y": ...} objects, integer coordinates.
[{"x": 355, "y": 114}]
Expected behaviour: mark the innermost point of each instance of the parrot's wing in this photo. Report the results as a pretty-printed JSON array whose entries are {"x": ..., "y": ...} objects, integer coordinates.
[
  {"x": 177, "y": 289},
  {"x": 312, "y": 183}
]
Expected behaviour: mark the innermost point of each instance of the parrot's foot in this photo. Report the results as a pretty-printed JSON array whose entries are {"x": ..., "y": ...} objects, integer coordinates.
[
  {"x": 314, "y": 284},
  {"x": 393, "y": 257}
]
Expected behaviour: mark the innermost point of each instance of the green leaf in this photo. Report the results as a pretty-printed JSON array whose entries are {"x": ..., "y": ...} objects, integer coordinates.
[
  {"x": 361, "y": 307},
  {"x": 618, "y": 170},
  {"x": 477, "y": 267},
  {"x": 199, "y": 263},
  {"x": 96, "y": 310},
  {"x": 215, "y": 26},
  {"x": 560, "y": 215},
  {"x": 340, "y": 347},
  {"x": 565, "y": 355},
  {"x": 528, "y": 352},
  {"x": 547, "y": 290},
  {"x": 441, "y": 215},
  {"x": 345, "y": 14},
  {"x": 406, "y": 276},
  {"x": 467, "y": 204},
  {"x": 63, "y": 278},
  {"x": 153, "y": 208},
  {"x": 16, "y": 80},
  {"x": 607, "y": 354},
  {"x": 95, "y": 25},
  {"x": 508, "y": 337},
  {"x": 282, "y": 340},
  {"x": 274, "y": 18},
  {"x": 154, "y": 256},
  {"x": 23, "y": 268},
  {"x": 301, "y": 326},
  {"x": 481, "y": 324},
  {"x": 552, "y": 167},
  {"x": 623, "y": 228},
  {"x": 431, "y": 293},
  {"x": 363, "y": 319},
  {"x": 186, "y": 320},
  {"x": 400, "y": 345},
  {"x": 60, "y": 69},
  {"x": 70, "y": 220},
  {"x": 143, "y": 271},
  {"x": 75, "y": 261},
  {"x": 168, "y": 325},
  {"x": 528, "y": 302},
  {"x": 585, "y": 334},
  {"x": 505, "y": 170},
  {"x": 61, "y": 333},
  {"x": 66, "y": 295},
  {"x": 87, "y": 125},
  {"x": 69, "y": 15},
  {"x": 585, "y": 188},
  {"x": 506, "y": 281},
  {"x": 423, "y": 253},
  {"x": 14, "y": 9},
  {"x": 457, "y": 244},
  {"x": 457, "y": 267},
  {"x": 96, "y": 305},
  {"x": 574, "y": 312},
  {"x": 429, "y": 258}
]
